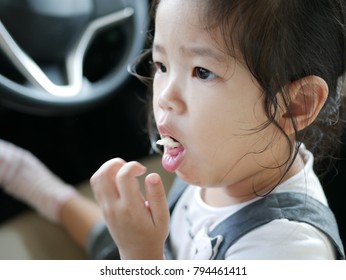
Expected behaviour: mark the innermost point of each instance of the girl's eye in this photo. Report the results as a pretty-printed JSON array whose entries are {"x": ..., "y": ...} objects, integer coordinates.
[
  {"x": 203, "y": 74},
  {"x": 160, "y": 67}
]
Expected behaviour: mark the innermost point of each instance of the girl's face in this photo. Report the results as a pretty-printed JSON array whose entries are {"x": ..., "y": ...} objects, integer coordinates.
[{"x": 210, "y": 104}]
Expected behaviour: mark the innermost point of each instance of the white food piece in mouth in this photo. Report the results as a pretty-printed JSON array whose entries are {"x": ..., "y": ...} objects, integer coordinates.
[{"x": 168, "y": 142}]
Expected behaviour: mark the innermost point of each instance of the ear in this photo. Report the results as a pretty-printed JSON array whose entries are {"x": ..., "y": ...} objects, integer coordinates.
[{"x": 306, "y": 99}]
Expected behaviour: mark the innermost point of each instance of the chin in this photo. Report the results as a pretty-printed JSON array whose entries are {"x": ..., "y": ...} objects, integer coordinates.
[
  {"x": 186, "y": 177},
  {"x": 190, "y": 178}
]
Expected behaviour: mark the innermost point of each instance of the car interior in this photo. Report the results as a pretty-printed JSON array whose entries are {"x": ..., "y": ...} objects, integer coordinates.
[{"x": 66, "y": 95}]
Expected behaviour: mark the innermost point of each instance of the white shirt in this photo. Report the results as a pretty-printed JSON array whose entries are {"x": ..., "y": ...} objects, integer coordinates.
[{"x": 192, "y": 219}]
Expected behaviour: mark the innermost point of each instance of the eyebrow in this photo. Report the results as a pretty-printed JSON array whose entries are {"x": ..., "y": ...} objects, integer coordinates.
[
  {"x": 204, "y": 52},
  {"x": 194, "y": 51}
]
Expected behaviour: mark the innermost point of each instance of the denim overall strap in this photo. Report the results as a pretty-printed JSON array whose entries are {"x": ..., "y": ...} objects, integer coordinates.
[{"x": 291, "y": 206}]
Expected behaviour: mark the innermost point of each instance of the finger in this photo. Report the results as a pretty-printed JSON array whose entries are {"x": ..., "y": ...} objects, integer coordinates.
[
  {"x": 156, "y": 196},
  {"x": 127, "y": 182},
  {"x": 103, "y": 182}
]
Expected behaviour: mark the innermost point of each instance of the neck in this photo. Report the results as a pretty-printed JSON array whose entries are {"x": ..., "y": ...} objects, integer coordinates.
[{"x": 249, "y": 188}]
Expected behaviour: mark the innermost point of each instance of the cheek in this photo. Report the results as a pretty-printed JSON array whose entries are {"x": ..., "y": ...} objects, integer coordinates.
[
  {"x": 228, "y": 136},
  {"x": 154, "y": 102},
  {"x": 154, "y": 105}
]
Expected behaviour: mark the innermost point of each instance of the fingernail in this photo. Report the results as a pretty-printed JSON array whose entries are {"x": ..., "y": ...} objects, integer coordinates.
[{"x": 154, "y": 179}]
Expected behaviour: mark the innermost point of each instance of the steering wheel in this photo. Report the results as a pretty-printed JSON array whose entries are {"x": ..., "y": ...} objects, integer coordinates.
[{"x": 58, "y": 56}]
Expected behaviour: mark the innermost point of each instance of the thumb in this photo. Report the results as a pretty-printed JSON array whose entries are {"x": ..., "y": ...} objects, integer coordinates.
[{"x": 156, "y": 196}]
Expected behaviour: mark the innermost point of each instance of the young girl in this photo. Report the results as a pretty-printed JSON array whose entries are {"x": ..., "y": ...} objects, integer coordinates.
[
  {"x": 239, "y": 87},
  {"x": 242, "y": 92}
]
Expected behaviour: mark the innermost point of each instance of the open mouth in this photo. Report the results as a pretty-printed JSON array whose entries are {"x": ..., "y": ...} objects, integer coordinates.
[{"x": 173, "y": 155}]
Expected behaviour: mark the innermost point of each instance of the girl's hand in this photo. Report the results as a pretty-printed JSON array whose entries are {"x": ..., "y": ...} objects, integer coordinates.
[{"x": 138, "y": 225}]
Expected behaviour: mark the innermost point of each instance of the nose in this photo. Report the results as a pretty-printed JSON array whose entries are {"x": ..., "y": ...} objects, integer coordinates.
[{"x": 170, "y": 97}]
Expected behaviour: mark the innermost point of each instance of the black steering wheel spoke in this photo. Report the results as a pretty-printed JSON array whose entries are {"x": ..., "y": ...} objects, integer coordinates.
[{"x": 57, "y": 60}]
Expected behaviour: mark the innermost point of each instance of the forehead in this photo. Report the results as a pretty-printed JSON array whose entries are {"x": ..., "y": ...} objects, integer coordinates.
[
  {"x": 181, "y": 21},
  {"x": 179, "y": 11},
  {"x": 183, "y": 4}
]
